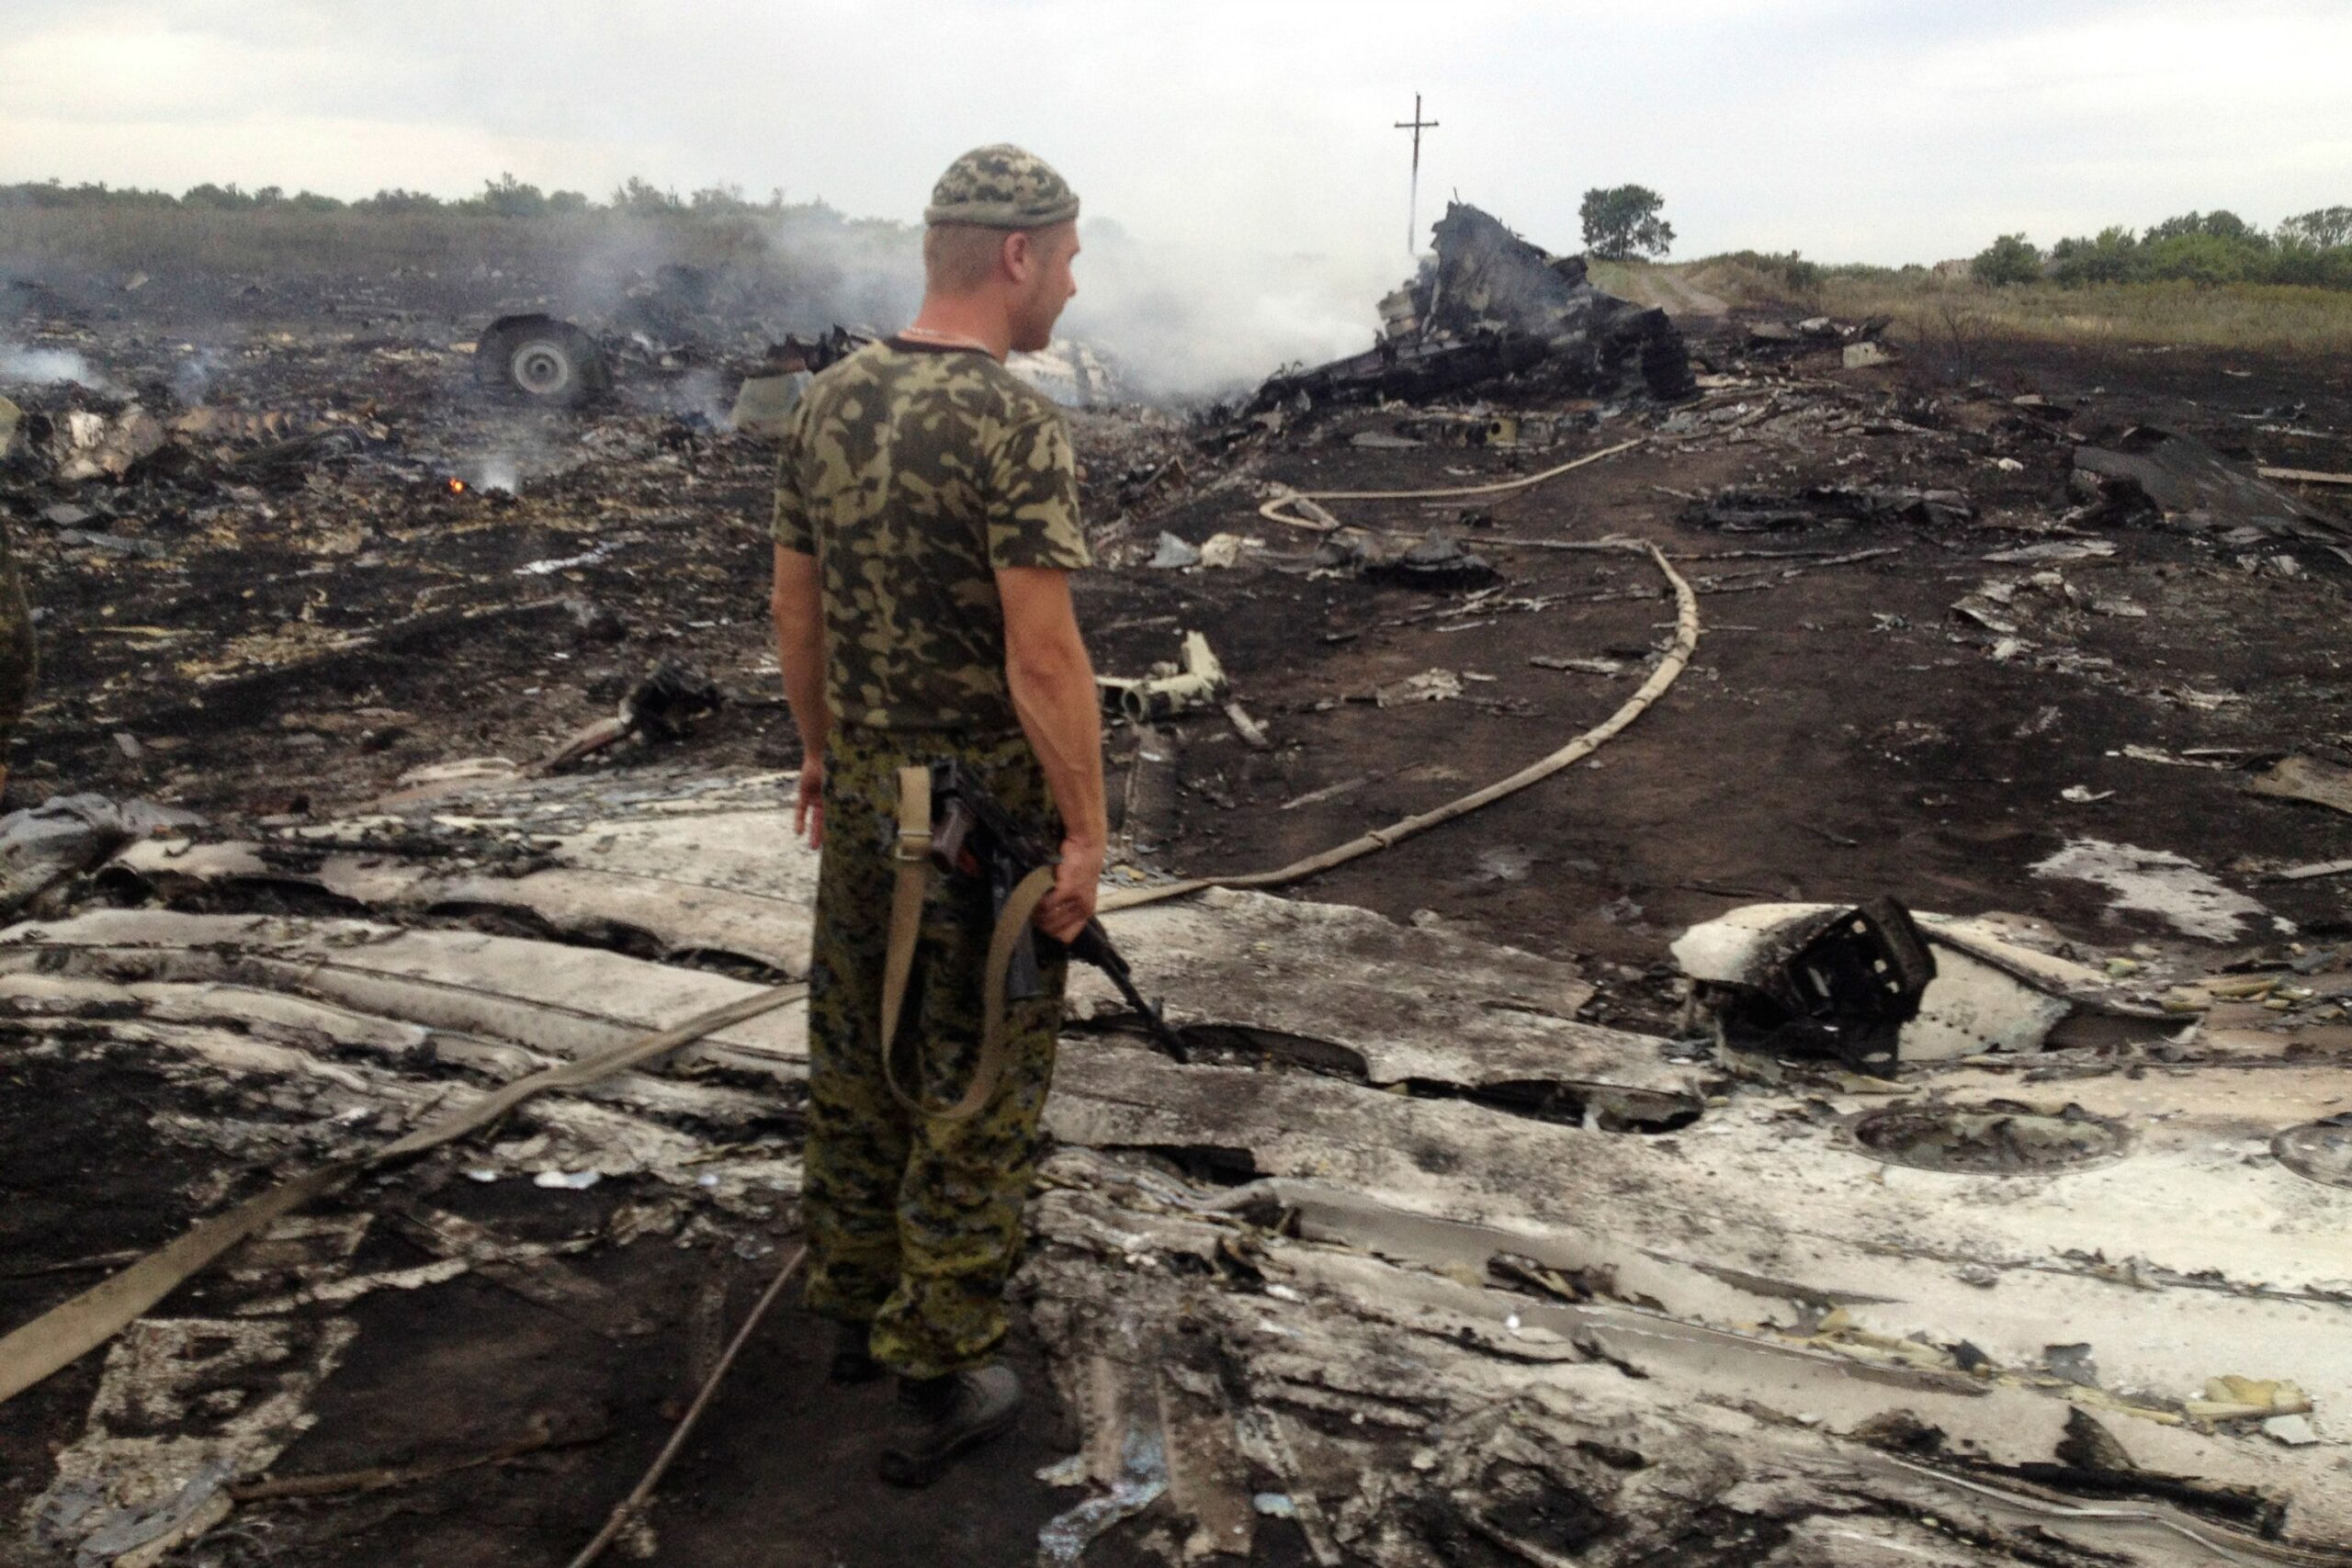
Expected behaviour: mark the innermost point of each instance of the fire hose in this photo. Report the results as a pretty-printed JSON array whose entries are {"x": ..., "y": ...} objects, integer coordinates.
[
  {"x": 1672, "y": 660},
  {"x": 1273, "y": 510}
]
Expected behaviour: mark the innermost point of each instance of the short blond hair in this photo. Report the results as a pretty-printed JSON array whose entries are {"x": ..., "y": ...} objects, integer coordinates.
[{"x": 960, "y": 257}]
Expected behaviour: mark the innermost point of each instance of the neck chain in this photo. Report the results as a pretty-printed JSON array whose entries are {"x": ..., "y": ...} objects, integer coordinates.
[{"x": 954, "y": 340}]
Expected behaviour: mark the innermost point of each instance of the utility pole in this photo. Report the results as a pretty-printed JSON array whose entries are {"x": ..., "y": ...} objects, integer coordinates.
[{"x": 1413, "y": 210}]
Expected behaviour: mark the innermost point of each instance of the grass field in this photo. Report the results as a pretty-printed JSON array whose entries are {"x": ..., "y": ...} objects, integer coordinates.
[
  {"x": 122, "y": 239},
  {"x": 1930, "y": 310}
]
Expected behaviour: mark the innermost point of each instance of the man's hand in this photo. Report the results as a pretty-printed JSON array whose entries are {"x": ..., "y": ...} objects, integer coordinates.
[
  {"x": 1063, "y": 913},
  {"x": 808, "y": 808},
  {"x": 800, "y": 654},
  {"x": 1053, "y": 690}
]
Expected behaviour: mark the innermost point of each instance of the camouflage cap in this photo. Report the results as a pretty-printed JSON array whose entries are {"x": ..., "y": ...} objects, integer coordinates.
[{"x": 1002, "y": 188}]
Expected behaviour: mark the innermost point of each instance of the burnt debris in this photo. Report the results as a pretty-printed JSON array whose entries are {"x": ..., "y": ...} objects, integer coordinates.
[
  {"x": 2186, "y": 485},
  {"x": 1492, "y": 312},
  {"x": 1851, "y": 983}
]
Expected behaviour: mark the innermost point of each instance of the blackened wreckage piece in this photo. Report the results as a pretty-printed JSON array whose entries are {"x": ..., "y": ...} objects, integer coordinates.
[{"x": 1493, "y": 312}]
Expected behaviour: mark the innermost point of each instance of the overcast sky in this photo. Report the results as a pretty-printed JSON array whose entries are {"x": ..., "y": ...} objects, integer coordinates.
[{"x": 1851, "y": 129}]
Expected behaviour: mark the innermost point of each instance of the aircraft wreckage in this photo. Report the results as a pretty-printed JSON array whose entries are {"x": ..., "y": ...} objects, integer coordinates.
[
  {"x": 1406, "y": 1259},
  {"x": 1490, "y": 310}
]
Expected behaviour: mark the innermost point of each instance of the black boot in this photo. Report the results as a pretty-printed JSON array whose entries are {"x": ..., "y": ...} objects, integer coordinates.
[
  {"x": 853, "y": 1356},
  {"x": 942, "y": 1417}
]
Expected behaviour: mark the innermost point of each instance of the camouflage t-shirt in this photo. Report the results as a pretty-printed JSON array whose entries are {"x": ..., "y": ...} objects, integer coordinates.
[{"x": 912, "y": 474}]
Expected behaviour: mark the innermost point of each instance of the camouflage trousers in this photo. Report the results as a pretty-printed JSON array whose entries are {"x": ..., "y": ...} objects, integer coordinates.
[
  {"x": 17, "y": 660},
  {"x": 913, "y": 1223}
]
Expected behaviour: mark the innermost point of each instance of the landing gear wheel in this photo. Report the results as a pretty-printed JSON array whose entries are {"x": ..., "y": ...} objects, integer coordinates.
[
  {"x": 541, "y": 360},
  {"x": 543, "y": 368}
]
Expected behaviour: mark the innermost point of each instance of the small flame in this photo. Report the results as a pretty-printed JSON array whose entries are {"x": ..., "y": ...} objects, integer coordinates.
[{"x": 457, "y": 487}]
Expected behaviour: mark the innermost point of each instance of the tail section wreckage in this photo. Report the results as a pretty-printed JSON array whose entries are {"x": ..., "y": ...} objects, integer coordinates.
[{"x": 1493, "y": 312}]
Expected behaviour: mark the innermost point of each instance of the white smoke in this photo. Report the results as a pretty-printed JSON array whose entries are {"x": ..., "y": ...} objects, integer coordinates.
[
  {"x": 1175, "y": 323},
  {"x": 50, "y": 367},
  {"x": 501, "y": 472},
  {"x": 192, "y": 377},
  {"x": 1198, "y": 321}
]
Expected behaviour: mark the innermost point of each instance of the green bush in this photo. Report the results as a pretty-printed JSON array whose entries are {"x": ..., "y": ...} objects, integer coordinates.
[
  {"x": 2112, "y": 257},
  {"x": 2208, "y": 248},
  {"x": 1791, "y": 272},
  {"x": 56, "y": 193},
  {"x": 2012, "y": 258},
  {"x": 2195, "y": 256},
  {"x": 2297, "y": 260}
]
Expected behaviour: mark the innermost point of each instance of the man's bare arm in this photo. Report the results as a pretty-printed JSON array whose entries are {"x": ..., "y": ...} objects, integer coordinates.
[
  {"x": 1054, "y": 693},
  {"x": 800, "y": 654}
]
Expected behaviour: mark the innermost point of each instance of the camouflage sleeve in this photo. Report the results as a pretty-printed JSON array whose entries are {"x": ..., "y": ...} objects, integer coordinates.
[
  {"x": 792, "y": 527},
  {"x": 1033, "y": 517}
]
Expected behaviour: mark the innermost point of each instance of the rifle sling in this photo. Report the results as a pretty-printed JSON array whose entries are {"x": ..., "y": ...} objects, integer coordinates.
[{"x": 907, "y": 897}]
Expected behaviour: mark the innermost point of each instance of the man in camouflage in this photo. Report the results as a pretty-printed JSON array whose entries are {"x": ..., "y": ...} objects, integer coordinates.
[{"x": 926, "y": 524}]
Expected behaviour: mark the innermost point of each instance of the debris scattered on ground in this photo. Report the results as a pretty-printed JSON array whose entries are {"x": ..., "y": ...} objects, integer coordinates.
[
  {"x": 41, "y": 846},
  {"x": 1429, "y": 686},
  {"x": 2170, "y": 886},
  {"x": 1741, "y": 511},
  {"x": 1193, "y": 683},
  {"x": 1174, "y": 554},
  {"x": 2190, "y": 485},
  {"x": 1437, "y": 563},
  {"x": 661, "y": 707},
  {"x": 2306, "y": 778},
  {"x": 89, "y": 446},
  {"x": 1867, "y": 985}
]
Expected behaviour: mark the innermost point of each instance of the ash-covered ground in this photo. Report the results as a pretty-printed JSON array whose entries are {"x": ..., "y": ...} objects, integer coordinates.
[{"x": 1947, "y": 654}]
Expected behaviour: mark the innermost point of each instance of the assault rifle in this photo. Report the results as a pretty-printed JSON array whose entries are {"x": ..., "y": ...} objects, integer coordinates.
[{"x": 973, "y": 835}]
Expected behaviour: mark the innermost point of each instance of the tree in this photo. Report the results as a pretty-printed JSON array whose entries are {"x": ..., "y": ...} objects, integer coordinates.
[
  {"x": 2219, "y": 224},
  {"x": 221, "y": 197},
  {"x": 507, "y": 197},
  {"x": 644, "y": 197},
  {"x": 2324, "y": 228},
  {"x": 1625, "y": 220},
  {"x": 2112, "y": 257},
  {"x": 2012, "y": 258},
  {"x": 2197, "y": 257},
  {"x": 396, "y": 200}
]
